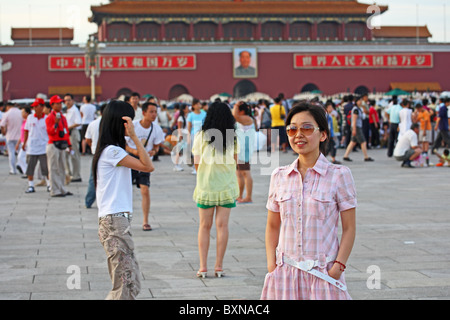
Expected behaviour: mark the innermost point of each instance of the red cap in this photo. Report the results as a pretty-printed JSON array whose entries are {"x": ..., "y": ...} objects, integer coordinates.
[
  {"x": 55, "y": 99},
  {"x": 37, "y": 102}
]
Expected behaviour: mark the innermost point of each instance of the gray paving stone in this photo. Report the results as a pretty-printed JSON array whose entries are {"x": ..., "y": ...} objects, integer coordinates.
[{"x": 402, "y": 229}]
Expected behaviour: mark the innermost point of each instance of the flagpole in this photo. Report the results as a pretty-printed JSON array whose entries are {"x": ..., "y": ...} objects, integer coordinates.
[
  {"x": 445, "y": 23},
  {"x": 417, "y": 23}
]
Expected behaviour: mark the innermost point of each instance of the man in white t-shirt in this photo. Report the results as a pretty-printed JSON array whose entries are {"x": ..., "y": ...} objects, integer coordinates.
[
  {"x": 152, "y": 137},
  {"x": 91, "y": 136},
  {"x": 74, "y": 121},
  {"x": 407, "y": 148},
  {"x": 10, "y": 126},
  {"x": 35, "y": 142},
  {"x": 134, "y": 101},
  {"x": 87, "y": 111}
]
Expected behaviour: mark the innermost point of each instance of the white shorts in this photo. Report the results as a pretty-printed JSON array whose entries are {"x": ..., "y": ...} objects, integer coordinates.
[{"x": 426, "y": 137}]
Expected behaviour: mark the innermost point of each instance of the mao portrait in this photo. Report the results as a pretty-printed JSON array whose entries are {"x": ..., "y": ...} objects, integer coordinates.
[{"x": 245, "y": 63}]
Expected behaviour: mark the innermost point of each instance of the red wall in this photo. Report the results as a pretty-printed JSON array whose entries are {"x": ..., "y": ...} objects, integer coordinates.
[{"x": 214, "y": 74}]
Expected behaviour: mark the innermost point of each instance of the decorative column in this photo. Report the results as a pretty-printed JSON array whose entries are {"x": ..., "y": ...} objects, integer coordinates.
[
  {"x": 286, "y": 30},
  {"x": 368, "y": 34},
  {"x": 102, "y": 31},
  {"x": 191, "y": 31},
  {"x": 258, "y": 33},
  {"x": 133, "y": 31},
  {"x": 342, "y": 31},
  {"x": 314, "y": 30},
  {"x": 162, "y": 31},
  {"x": 219, "y": 35}
]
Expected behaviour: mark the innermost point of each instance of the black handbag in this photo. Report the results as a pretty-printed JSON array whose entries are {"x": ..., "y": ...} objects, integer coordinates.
[{"x": 61, "y": 144}]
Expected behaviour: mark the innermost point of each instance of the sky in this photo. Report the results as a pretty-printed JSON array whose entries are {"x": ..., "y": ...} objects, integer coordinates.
[{"x": 74, "y": 14}]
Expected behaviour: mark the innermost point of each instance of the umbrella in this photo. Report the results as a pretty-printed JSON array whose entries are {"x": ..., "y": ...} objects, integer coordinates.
[
  {"x": 187, "y": 98},
  {"x": 222, "y": 96},
  {"x": 397, "y": 92},
  {"x": 255, "y": 96},
  {"x": 304, "y": 96}
]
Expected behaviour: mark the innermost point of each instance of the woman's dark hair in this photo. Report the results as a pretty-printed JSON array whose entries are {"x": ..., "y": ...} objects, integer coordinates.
[
  {"x": 112, "y": 129},
  {"x": 182, "y": 108},
  {"x": 219, "y": 118},
  {"x": 320, "y": 116},
  {"x": 246, "y": 108}
]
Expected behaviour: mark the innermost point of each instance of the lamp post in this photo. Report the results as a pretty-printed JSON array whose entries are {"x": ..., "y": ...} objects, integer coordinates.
[{"x": 92, "y": 62}]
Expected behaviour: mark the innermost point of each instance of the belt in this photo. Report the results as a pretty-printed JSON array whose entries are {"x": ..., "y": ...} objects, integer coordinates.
[
  {"x": 127, "y": 215},
  {"x": 308, "y": 265}
]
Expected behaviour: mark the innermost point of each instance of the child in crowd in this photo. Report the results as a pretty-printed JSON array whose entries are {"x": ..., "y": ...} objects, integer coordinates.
[{"x": 443, "y": 158}]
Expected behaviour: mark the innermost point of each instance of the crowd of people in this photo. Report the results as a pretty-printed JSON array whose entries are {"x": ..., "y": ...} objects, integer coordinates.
[
  {"x": 355, "y": 121},
  {"x": 126, "y": 135}
]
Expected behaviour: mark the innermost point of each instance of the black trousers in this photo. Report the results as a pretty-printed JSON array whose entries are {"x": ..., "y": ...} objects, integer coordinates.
[
  {"x": 375, "y": 135},
  {"x": 393, "y": 134},
  {"x": 442, "y": 135}
]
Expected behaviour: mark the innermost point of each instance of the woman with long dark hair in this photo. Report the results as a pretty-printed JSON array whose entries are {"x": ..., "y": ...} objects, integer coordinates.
[
  {"x": 215, "y": 151},
  {"x": 111, "y": 168},
  {"x": 182, "y": 136},
  {"x": 305, "y": 259}
]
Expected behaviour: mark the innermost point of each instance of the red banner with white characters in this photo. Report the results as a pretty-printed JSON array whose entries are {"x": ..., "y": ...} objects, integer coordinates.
[
  {"x": 126, "y": 62},
  {"x": 363, "y": 60},
  {"x": 66, "y": 63}
]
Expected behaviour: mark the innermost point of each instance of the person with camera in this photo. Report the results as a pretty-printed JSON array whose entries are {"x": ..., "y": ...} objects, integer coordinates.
[{"x": 58, "y": 142}]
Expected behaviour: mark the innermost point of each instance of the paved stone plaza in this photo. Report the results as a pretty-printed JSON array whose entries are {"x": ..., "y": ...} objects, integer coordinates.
[{"x": 401, "y": 251}]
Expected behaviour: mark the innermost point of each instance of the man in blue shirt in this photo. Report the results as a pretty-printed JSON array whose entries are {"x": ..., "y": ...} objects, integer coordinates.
[
  {"x": 442, "y": 124},
  {"x": 393, "y": 115},
  {"x": 195, "y": 121}
]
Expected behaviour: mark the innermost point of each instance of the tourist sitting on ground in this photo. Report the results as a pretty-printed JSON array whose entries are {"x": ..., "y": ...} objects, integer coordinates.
[
  {"x": 443, "y": 158},
  {"x": 407, "y": 148}
]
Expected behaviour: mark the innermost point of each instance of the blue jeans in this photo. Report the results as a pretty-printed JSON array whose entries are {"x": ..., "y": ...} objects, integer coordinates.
[{"x": 90, "y": 194}]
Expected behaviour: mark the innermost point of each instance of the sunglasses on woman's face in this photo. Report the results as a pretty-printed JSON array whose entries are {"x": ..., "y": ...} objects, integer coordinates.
[{"x": 306, "y": 129}]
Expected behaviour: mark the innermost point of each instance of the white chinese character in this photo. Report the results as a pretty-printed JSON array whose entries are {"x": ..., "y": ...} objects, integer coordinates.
[
  {"x": 167, "y": 62},
  {"x": 77, "y": 62},
  {"x": 336, "y": 61},
  {"x": 322, "y": 60},
  {"x": 420, "y": 60},
  {"x": 182, "y": 61},
  {"x": 107, "y": 62},
  {"x": 62, "y": 63},
  {"x": 392, "y": 60},
  {"x": 123, "y": 62},
  {"x": 152, "y": 62},
  {"x": 349, "y": 60},
  {"x": 378, "y": 60},
  {"x": 138, "y": 62},
  {"x": 406, "y": 60},
  {"x": 364, "y": 61},
  {"x": 307, "y": 61}
]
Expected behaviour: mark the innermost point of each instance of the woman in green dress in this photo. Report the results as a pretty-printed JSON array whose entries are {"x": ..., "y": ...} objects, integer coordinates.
[{"x": 215, "y": 151}]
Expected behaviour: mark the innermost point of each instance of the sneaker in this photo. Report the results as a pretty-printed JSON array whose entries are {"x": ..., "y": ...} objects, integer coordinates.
[
  {"x": 407, "y": 164},
  {"x": 194, "y": 172},
  {"x": 177, "y": 168},
  {"x": 19, "y": 168},
  {"x": 49, "y": 188},
  {"x": 30, "y": 190}
]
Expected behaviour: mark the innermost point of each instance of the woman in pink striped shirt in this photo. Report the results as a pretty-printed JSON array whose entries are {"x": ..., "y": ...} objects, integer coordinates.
[{"x": 305, "y": 259}]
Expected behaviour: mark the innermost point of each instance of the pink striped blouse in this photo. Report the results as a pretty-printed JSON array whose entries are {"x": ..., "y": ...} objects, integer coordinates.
[{"x": 309, "y": 212}]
